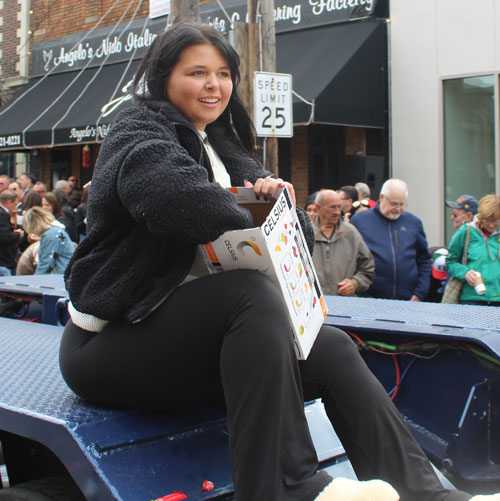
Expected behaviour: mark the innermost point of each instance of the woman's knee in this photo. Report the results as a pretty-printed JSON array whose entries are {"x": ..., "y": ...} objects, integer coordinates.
[
  {"x": 334, "y": 346},
  {"x": 336, "y": 338}
]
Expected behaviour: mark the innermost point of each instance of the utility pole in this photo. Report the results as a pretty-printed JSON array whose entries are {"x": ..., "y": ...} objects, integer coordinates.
[
  {"x": 268, "y": 37},
  {"x": 184, "y": 10},
  {"x": 255, "y": 42}
]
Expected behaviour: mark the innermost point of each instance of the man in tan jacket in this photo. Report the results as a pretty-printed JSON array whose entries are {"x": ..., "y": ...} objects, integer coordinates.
[{"x": 343, "y": 262}]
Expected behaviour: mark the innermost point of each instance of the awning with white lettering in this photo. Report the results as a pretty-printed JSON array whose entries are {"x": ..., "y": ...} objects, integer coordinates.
[
  {"x": 341, "y": 68},
  {"x": 66, "y": 108}
]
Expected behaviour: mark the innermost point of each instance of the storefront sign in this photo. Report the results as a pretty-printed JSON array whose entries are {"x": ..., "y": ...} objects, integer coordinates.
[
  {"x": 75, "y": 52},
  {"x": 293, "y": 15},
  {"x": 10, "y": 140},
  {"x": 158, "y": 8},
  {"x": 89, "y": 133},
  {"x": 120, "y": 43}
]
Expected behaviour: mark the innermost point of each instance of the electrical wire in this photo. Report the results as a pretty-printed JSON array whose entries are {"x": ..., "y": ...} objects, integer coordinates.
[
  {"x": 395, "y": 351},
  {"x": 401, "y": 379},
  {"x": 225, "y": 13},
  {"x": 80, "y": 73},
  {"x": 19, "y": 298},
  {"x": 120, "y": 81},
  {"x": 87, "y": 33},
  {"x": 398, "y": 378},
  {"x": 101, "y": 66}
]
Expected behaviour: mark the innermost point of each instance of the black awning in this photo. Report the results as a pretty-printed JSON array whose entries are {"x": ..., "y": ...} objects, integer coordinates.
[
  {"x": 342, "y": 68},
  {"x": 66, "y": 108}
]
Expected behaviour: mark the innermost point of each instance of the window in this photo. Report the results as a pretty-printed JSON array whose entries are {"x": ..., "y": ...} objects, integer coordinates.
[
  {"x": 469, "y": 139},
  {"x": 7, "y": 163}
]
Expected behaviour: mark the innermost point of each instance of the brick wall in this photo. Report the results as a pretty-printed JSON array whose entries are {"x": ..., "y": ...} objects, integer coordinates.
[
  {"x": 300, "y": 164},
  {"x": 9, "y": 41},
  {"x": 56, "y": 18},
  {"x": 355, "y": 140}
]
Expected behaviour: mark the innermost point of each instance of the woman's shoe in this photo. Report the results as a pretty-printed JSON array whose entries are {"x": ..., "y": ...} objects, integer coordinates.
[{"x": 343, "y": 489}]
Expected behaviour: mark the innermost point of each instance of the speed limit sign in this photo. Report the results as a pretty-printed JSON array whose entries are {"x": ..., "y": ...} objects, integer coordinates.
[{"x": 273, "y": 104}]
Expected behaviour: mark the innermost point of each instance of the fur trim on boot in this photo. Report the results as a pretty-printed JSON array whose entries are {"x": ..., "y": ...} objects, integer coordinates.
[{"x": 343, "y": 489}]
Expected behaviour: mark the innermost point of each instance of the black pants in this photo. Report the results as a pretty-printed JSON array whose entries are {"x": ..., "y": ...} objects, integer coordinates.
[
  {"x": 480, "y": 303},
  {"x": 229, "y": 332}
]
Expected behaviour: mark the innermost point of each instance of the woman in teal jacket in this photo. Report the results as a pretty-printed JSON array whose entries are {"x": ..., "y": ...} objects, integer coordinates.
[{"x": 482, "y": 256}]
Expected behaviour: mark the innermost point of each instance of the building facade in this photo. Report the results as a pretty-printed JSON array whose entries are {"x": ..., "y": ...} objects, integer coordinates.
[
  {"x": 445, "y": 67},
  {"x": 82, "y": 57},
  {"x": 14, "y": 66}
]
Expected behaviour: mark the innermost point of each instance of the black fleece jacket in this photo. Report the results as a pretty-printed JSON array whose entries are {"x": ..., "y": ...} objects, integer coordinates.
[{"x": 152, "y": 202}]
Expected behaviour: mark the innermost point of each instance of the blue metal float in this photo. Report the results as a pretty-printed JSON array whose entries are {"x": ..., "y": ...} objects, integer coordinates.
[{"x": 440, "y": 362}]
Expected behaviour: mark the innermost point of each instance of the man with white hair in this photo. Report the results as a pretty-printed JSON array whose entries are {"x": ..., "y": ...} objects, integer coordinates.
[
  {"x": 364, "y": 193},
  {"x": 63, "y": 185},
  {"x": 398, "y": 243}
]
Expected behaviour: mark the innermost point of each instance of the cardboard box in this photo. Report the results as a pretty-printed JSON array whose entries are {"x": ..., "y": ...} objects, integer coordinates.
[{"x": 278, "y": 249}]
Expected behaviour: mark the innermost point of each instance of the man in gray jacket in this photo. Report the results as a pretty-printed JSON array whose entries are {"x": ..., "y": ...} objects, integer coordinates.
[{"x": 343, "y": 262}]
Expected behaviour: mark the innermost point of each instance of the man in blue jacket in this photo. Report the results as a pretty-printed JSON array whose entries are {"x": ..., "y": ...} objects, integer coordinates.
[{"x": 398, "y": 243}]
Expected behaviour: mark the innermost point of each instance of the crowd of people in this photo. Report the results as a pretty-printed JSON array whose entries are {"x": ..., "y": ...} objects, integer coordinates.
[
  {"x": 39, "y": 229},
  {"x": 379, "y": 249}
]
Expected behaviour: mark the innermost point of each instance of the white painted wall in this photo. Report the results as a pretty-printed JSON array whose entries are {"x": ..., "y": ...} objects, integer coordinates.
[{"x": 431, "y": 40}]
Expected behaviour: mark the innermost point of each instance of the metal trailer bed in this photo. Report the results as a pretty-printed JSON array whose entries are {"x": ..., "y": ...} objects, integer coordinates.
[
  {"x": 449, "y": 392},
  {"x": 449, "y": 397}
]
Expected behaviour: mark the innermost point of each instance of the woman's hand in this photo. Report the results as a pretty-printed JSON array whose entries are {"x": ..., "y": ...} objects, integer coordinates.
[
  {"x": 470, "y": 276},
  {"x": 33, "y": 238},
  {"x": 268, "y": 186}
]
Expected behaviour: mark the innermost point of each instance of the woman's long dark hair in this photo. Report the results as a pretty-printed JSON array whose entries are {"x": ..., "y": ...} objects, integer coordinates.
[
  {"x": 32, "y": 199},
  {"x": 53, "y": 199},
  {"x": 165, "y": 52}
]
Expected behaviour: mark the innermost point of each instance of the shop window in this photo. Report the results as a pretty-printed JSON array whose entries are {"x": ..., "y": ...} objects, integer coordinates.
[
  {"x": 60, "y": 164},
  {"x": 469, "y": 139},
  {"x": 7, "y": 163}
]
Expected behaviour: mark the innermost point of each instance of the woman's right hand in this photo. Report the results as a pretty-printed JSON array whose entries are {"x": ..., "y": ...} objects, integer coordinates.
[
  {"x": 470, "y": 277},
  {"x": 268, "y": 186}
]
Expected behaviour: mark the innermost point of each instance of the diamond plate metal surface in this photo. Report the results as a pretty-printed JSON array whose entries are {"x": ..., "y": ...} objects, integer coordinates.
[
  {"x": 415, "y": 313},
  {"x": 121, "y": 454},
  {"x": 34, "y": 284},
  {"x": 29, "y": 352}
]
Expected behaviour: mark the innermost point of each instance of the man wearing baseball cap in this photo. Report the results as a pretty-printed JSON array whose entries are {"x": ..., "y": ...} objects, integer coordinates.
[{"x": 464, "y": 209}]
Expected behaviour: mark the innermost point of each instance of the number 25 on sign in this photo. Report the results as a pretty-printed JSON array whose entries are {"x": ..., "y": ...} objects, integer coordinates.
[{"x": 273, "y": 104}]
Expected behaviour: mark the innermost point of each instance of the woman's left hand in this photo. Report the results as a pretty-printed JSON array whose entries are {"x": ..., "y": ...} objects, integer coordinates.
[{"x": 268, "y": 186}]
